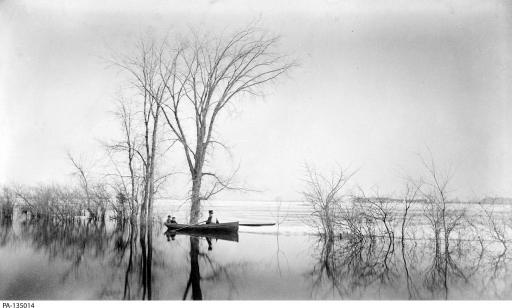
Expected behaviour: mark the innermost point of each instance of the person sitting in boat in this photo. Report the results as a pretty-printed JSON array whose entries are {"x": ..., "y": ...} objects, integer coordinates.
[
  {"x": 171, "y": 220},
  {"x": 210, "y": 218}
]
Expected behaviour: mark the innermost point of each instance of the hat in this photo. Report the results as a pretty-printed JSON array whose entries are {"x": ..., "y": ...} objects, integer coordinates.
[{"x": 210, "y": 212}]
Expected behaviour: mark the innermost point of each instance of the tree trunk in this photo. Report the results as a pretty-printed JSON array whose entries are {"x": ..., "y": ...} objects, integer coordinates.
[
  {"x": 150, "y": 144},
  {"x": 150, "y": 202},
  {"x": 404, "y": 220},
  {"x": 144, "y": 205},
  {"x": 195, "y": 209},
  {"x": 152, "y": 164},
  {"x": 133, "y": 210}
]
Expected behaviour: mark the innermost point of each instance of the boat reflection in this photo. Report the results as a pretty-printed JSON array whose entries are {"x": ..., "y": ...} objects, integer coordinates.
[
  {"x": 213, "y": 271},
  {"x": 226, "y": 236}
]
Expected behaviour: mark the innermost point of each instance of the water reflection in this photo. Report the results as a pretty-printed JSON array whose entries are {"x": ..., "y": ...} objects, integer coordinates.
[
  {"x": 147, "y": 256},
  {"x": 426, "y": 269},
  {"x": 80, "y": 244},
  {"x": 130, "y": 245},
  {"x": 126, "y": 261},
  {"x": 354, "y": 265},
  {"x": 213, "y": 270},
  {"x": 69, "y": 240},
  {"x": 195, "y": 275},
  {"x": 6, "y": 227}
]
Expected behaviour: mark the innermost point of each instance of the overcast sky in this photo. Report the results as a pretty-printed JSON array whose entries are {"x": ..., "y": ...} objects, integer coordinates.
[{"x": 378, "y": 83}]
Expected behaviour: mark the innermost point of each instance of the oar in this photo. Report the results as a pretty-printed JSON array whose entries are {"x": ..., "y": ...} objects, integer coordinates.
[{"x": 256, "y": 225}]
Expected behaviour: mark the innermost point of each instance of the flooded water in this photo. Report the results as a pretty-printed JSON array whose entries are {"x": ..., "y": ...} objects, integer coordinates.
[{"x": 85, "y": 260}]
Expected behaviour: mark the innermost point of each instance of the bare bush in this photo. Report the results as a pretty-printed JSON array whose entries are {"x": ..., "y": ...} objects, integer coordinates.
[
  {"x": 354, "y": 221},
  {"x": 50, "y": 201},
  {"x": 324, "y": 195},
  {"x": 443, "y": 218},
  {"x": 61, "y": 202},
  {"x": 495, "y": 227},
  {"x": 378, "y": 209},
  {"x": 410, "y": 194}
]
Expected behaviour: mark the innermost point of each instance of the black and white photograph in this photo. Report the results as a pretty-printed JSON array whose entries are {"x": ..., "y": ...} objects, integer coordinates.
[{"x": 271, "y": 150}]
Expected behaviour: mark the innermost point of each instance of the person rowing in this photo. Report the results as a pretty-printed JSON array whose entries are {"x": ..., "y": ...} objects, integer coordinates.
[{"x": 210, "y": 218}]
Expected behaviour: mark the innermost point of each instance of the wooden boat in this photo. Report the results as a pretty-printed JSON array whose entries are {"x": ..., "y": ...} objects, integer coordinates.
[
  {"x": 225, "y": 231},
  {"x": 223, "y": 227}
]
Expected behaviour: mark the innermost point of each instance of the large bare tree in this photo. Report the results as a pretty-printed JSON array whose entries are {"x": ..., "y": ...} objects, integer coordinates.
[{"x": 201, "y": 77}]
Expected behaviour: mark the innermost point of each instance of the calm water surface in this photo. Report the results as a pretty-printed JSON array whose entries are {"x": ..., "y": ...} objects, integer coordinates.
[{"x": 85, "y": 260}]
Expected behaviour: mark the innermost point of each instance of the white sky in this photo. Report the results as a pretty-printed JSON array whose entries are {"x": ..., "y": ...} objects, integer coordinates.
[{"x": 378, "y": 82}]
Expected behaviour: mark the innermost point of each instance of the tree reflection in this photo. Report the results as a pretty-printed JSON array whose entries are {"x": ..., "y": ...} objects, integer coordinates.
[
  {"x": 353, "y": 265},
  {"x": 195, "y": 275},
  {"x": 427, "y": 269},
  {"x": 129, "y": 267},
  {"x": 70, "y": 240},
  {"x": 79, "y": 246},
  {"x": 146, "y": 241},
  {"x": 411, "y": 287},
  {"x": 6, "y": 230},
  {"x": 213, "y": 271}
]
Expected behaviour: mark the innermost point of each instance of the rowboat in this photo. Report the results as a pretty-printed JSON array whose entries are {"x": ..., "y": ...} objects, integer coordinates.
[
  {"x": 223, "y": 227},
  {"x": 226, "y": 231}
]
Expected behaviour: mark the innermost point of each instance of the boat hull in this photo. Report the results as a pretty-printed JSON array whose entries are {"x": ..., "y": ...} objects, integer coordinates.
[
  {"x": 226, "y": 236},
  {"x": 223, "y": 227},
  {"x": 224, "y": 231}
]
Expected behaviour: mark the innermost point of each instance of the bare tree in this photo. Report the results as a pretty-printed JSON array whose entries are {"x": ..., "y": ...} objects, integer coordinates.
[
  {"x": 126, "y": 117},
  {"x": 148, "y": 81},
  {"x": 83, "y": 176},
  {"x": 409, "y": 198},
  {"x": 325, "y": 197},
  {"x": 200, "y": 79},
  {"x": 495, "y": 226},
  {"x": 128, "y": 172},
  {"x": 379, "y": 209},
  {"x": 435, "y": 190}
]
